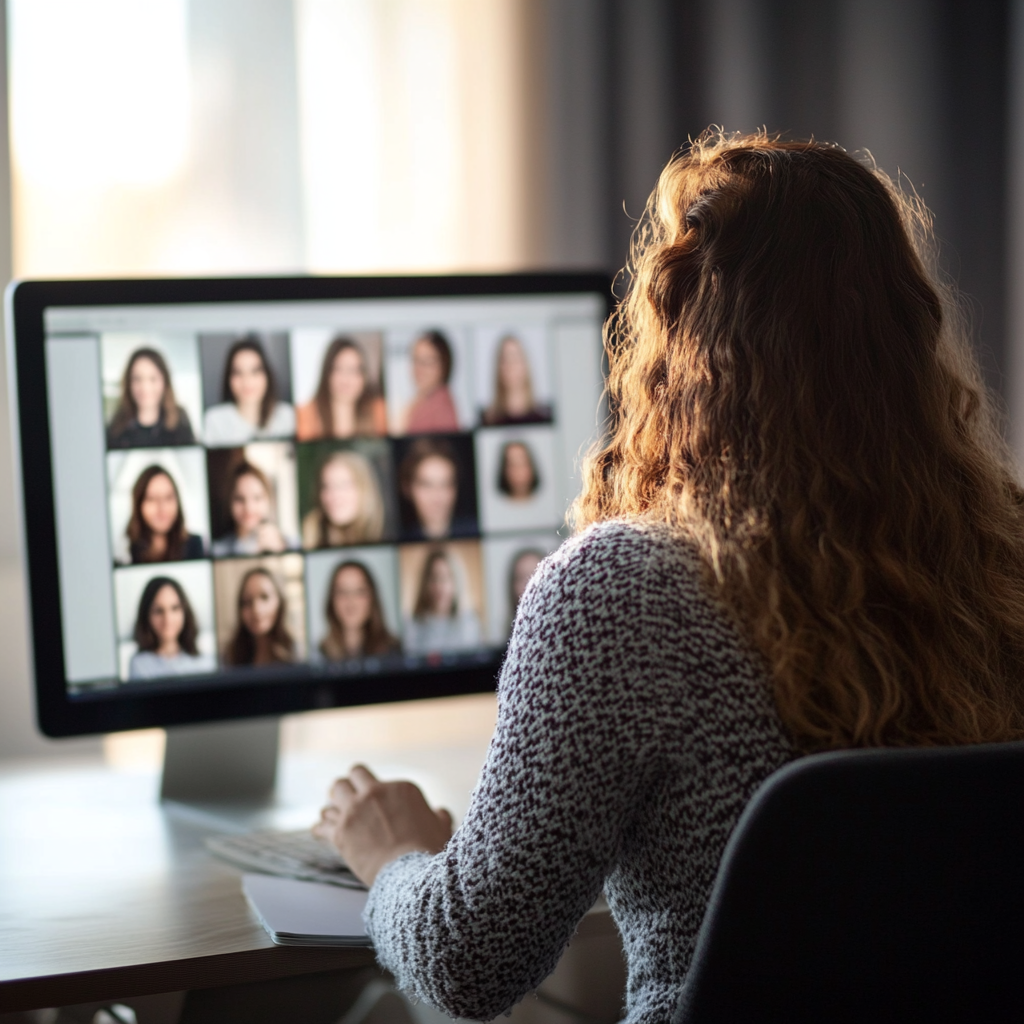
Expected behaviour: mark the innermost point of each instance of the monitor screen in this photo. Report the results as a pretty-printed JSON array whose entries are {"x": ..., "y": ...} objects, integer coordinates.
[{"x": 264, "y": 502}]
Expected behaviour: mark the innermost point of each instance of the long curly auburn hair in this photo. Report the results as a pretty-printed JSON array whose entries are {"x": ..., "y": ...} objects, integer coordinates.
[{"x": 792, "y": 389}]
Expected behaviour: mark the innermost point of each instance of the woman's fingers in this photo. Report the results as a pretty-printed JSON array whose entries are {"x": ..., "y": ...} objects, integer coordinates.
[
  {"x": 359, "y": 781},
  {"x": 342, "y": 793},
  {"x": 330, "y": 819},
  {"x": 362, "y": 778},
  {"x": 445, "y": 817}
]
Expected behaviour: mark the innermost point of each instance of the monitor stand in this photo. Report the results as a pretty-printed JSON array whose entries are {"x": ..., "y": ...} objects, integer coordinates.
[{"x": 223, "y": 775}]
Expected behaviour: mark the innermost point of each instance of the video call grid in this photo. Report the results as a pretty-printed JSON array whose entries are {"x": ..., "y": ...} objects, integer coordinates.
[{"x": 403, "y": 435}]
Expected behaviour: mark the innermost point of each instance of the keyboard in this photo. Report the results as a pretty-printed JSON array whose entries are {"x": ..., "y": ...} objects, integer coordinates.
[{"x": 291, "y": 854}]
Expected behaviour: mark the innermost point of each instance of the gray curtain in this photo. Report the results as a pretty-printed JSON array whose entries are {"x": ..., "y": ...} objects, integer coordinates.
[{"x": 923, "y": 84}]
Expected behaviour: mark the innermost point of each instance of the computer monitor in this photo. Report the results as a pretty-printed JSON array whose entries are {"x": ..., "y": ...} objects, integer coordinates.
[{"x": 256, "y": 496}]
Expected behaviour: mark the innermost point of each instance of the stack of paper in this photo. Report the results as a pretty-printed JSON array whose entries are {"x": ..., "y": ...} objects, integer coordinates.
[{"x": 298, "y": 913}]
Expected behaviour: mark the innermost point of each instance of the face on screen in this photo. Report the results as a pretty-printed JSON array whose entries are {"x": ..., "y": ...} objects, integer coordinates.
[
  {"x": 250, "y": 504},
  {"x": 146, "y": 387},
  {"x": 441, "y": 586},
  {"x": 427, "y": 366},
  {"x": 347, "y": 380},
  {"x": 248, "y": 378},
  {"x": 433, "y": 490},
  {"x": 340, "y": 494},
  {"x": 167, "y": 617},
  {"x": 523, "y": 569},
  {"x": 259, "y": 604},
  {"x": 518, "y": 471},
  {"x": 159, "y": 506},
  {"x": 513, "y": 366},
  {"x": 352, "y": 597}
]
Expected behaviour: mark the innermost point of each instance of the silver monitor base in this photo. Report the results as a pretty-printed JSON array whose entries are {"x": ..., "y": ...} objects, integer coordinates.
[{"x": 223, "y": 775}]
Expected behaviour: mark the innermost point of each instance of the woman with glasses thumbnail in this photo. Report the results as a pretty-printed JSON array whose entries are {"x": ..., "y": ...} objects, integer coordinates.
[
  {"x": 251, "y": 506},
  {"x": 156, "y": 530},
  {"x": 249, "y": 408},
  {"x": 148, "y": 415},
  {"x": 166, "y": 634},
  {"x": 432, "y": 410},
  {"x": 348, "y": 505},
  {"x": 261, "y": 636},
  {"x": 355, "y": 617},
  {"x": 346, "y": 403},
  {"x": 441, "y": 619},
  {"x": 513, "y": 400}
]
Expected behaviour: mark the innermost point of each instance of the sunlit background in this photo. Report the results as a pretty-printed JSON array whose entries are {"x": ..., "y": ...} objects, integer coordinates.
[
  {"x": 190, "y": 137},
  {"x": 159, "y": 136}
]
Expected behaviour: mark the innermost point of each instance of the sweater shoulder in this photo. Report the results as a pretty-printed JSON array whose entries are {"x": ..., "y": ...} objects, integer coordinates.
[
  {"x": 619, "y": 585},
  {"x": 617, "y": 557}
]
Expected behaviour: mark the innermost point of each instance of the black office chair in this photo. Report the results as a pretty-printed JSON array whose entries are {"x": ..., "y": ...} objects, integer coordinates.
[{"x": 870, "y": 886}]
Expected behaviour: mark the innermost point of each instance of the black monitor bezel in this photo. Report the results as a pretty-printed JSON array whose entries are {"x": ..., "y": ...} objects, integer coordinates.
[{"x": 57, "y": 713}]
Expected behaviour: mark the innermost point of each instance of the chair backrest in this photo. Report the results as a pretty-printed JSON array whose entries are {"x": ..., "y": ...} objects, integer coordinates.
[{"x": 879, "y": 885}]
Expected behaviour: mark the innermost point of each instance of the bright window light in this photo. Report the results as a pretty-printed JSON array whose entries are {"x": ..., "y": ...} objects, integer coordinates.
[
  {"x": 382, "y": 132},
  {"x": 99, "y": 90},
  {"x": 218, "y": 136}
]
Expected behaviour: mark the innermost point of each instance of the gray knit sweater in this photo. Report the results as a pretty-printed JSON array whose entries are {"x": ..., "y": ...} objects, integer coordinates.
[{"x": 634, "y": 723}]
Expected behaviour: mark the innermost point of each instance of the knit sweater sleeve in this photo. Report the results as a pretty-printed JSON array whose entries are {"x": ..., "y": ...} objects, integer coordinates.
[{"x": 474, "y": 928}]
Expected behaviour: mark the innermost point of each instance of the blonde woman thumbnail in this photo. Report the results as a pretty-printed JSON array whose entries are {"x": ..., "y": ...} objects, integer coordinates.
[{"x": 348, "y": 505}]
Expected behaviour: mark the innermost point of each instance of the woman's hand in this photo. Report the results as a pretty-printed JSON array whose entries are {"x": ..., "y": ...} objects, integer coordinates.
[{"x": 371, "y": 822}]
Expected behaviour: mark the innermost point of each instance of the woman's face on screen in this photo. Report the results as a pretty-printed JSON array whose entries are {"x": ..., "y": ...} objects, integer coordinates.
[
  {"x": 512, "y": 364},
  {"x": 260, "y": 604},
  {"x": 346, "y": 382},
  {"x": 250, "y": 504},
  {"x": 248, "y": 379},
  {"x": 351, "y": 598},
  {"x": 340, "y": 497},
  {"x": 441, "y": 588},
  {"x": 433, "y": 491},
  {"x": 167, "y": 616},
  {"x": 159, "y": 506},
  {"x": 427, "y": 368},
  {"x": 525, "y": 566},
  {"x": 518, "y": 471},
  {"x": 146, "y": 386}
]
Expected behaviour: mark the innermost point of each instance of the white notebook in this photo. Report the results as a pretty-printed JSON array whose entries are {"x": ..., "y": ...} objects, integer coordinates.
[{"x": 298, "y": 913}]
